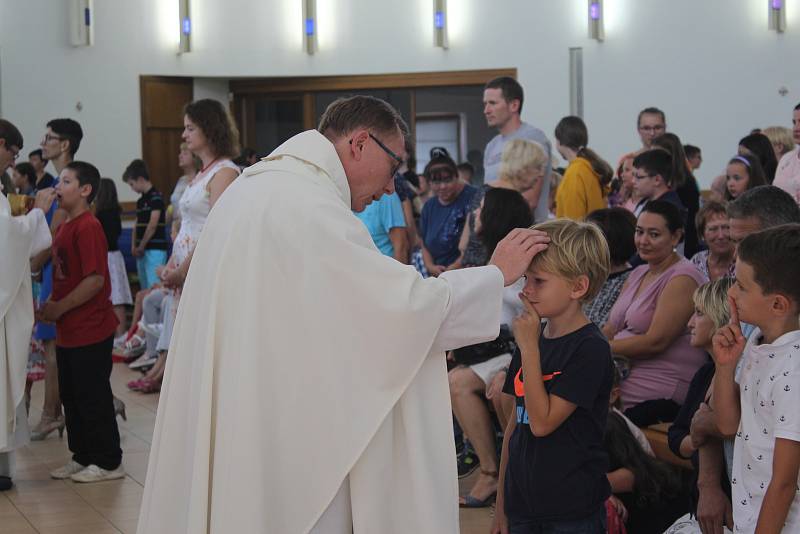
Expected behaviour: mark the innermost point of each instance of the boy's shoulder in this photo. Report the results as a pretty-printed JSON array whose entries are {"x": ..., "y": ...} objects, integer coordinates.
[{"x": 587, "y": 341}]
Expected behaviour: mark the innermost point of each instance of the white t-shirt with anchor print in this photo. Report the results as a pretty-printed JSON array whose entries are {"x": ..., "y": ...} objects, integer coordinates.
[{"x": 770, "y": 398}]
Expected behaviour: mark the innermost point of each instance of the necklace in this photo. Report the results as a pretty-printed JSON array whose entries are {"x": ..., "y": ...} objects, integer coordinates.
[{"x": 204, "y": 169}]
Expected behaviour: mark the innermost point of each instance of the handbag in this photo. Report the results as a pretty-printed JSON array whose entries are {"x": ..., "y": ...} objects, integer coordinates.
[{"x": 481, "y": 352}]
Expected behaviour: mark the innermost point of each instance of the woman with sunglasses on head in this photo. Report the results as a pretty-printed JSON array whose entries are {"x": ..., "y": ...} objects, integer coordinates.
[{"x": 444, "y": 214}]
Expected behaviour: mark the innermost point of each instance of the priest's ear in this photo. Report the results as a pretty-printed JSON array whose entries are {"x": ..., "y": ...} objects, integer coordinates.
[{"x": 358, "y": 140}]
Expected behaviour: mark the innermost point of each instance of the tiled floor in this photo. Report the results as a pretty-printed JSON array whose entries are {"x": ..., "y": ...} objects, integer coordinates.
[{"x": 39, "y": 504}]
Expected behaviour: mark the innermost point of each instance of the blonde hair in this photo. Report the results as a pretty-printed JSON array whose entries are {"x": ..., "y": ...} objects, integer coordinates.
[
  {"x": 711, "y": 298},
  {"x": 519, "y": 157},
  {"x": 576, "y": 248},
  {"x": 779, "y": 134},
  {"x": 198, "y": 163}
]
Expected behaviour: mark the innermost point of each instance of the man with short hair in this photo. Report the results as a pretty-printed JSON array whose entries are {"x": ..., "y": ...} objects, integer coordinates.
[
  {"x": 754, "y": 210},
  {"x": 332, "y": 356},
  {"x": 43, "y": 178},
  {"x": 787, "y": 177},
  {"x": 651, "y": 123},
  {"x": 760, "y": 208},
  {"x": 59, "y": 145},
  {"x": 502, "y": 105}
]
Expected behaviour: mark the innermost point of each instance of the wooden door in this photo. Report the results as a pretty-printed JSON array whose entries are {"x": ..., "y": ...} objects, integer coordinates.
[{"x": 162, "y": 101}]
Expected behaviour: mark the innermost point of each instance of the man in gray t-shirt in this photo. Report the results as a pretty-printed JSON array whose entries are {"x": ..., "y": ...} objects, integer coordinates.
[{"x": 502, "y": 104}]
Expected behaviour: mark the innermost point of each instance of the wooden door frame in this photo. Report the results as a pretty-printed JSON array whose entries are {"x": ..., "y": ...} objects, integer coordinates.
[
  {"x": 245, "y": 89},
  {"x": 314, "y": 84}
]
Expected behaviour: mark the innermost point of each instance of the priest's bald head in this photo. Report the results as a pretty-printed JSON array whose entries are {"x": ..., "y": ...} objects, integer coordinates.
[{"x": 369, "y": 136}]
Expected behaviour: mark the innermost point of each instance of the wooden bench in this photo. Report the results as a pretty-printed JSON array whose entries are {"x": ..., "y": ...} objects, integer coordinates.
[{"x": 657, "y": 436}]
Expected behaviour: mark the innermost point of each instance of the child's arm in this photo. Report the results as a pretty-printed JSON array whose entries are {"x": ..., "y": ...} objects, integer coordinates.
[
  {"x": 782, "y": 488},
  {"x": 622, "y": 480},
  {"x": 673, "y": 310},
  {"x": 87, "y": 288},
  {"x": 545, "y": 412},
  {"x": 150, "y": 231},
  {"x": 728, "y": 346},
  {"x": 500, "y": 525}
]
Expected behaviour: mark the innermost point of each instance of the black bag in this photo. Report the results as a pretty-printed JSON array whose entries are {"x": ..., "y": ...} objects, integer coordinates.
[{"x": 481, "y": 352}]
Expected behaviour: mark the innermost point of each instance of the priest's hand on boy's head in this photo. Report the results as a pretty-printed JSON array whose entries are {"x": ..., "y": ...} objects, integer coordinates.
[
  {"x": 527, "y": 326},
  {"x": 514, "y": 253}
]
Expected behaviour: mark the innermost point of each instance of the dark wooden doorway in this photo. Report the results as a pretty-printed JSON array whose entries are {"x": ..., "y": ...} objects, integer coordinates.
[{"x": 162, "y": 101}]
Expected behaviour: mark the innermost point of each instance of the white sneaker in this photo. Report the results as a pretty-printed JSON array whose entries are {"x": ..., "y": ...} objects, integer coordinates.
[
  {"x": 119, "y": 342},
  {"x": 67, "y": 471},
  {"x": 145, "y": 360},
  {"x": 94, "y": 473}
]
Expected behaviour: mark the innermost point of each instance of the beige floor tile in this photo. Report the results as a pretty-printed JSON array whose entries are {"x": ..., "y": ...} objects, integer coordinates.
[{"x": 41, "y": 505}]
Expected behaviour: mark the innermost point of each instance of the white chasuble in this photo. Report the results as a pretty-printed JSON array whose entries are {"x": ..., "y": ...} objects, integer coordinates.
[
  {"x": 20, "y": 238},
  {"x": 302, "y": 357}
]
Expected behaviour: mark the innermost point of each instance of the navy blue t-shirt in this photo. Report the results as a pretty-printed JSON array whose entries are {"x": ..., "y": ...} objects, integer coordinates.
[
  {"x": 561, "y": 476},
  {"x": 441, "y": 226}
]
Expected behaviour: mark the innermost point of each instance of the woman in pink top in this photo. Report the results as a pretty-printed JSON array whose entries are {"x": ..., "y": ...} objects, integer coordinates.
[{"x": 647, "y": 324}]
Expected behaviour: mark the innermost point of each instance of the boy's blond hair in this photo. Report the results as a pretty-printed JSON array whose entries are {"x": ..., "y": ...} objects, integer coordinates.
[{"x": 576, "y": 248}]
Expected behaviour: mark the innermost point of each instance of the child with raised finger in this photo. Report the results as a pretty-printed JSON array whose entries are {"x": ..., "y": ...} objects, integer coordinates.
[
  {"x": 553, "y": 464},
  {"x": 763, "y": 407}
]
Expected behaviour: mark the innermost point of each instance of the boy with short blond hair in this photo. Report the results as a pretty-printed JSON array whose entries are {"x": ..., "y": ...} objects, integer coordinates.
[
  {"x": 763, "y": 409},
  {"x": 553, "y": 465}
]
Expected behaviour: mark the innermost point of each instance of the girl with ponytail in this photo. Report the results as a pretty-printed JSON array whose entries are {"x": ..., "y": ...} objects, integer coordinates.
[{"x": 585, "y": 184}]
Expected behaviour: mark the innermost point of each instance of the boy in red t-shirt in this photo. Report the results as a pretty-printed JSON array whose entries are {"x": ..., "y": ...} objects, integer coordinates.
[{"x": 85, "y": 324}]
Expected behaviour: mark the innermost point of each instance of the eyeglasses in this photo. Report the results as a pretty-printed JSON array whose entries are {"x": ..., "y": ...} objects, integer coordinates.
[
  {"x": 642, "y": 176},
  {"x": 651, "y": 129},
  {"x": 398, "y": 160},
  {"x": 48, "y": 137}
]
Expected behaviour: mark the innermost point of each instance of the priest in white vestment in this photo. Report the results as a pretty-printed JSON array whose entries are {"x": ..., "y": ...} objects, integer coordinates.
[
  {"x": 21, "y": 237},
  {"x": 306, "y": 386}
]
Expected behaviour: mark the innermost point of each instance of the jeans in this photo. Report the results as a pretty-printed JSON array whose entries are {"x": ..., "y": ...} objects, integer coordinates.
[{"x": 593, "y": 524}]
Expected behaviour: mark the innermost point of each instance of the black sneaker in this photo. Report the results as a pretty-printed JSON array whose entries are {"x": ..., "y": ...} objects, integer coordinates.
[
  {"x": 5, "y": 483},
  {"x": 467, "y": 463}
]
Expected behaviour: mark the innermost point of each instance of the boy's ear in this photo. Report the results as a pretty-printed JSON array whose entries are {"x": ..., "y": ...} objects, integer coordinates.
[
  {"x": 86, "y": 190},
  {"x": 580, "y": 286},
  {"x": 782, "y": 305}
]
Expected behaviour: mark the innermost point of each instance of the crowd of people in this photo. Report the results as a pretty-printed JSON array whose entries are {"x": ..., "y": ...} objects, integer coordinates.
[{"x": 652, "y": 304}]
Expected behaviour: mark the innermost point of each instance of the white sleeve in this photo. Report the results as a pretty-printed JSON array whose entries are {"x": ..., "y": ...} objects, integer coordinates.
[
  {"x": 40, "y": 231},
  {"x": 786, "y": 399},
  {"x": 473, "y": 312}
]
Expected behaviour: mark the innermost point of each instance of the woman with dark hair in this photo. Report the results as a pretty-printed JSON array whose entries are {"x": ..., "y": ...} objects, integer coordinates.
[
  {"x": 647, "y": 324},
  {"x": 444, "y": 215},
  {"x": 743, "y": 172},
  {"x": 586, "y": 180},
  {"x": 685, "y": 185},
  {"x": 107, "y": 211},
  {"x": 618, "y": 226},
  {"x": 759, "y": 145},
  {"x": 211, "y": 135},
  {"x": 649, "y": 489},
  {"x": 24, "y": 178},
  {"x": 481, "y": 369}
]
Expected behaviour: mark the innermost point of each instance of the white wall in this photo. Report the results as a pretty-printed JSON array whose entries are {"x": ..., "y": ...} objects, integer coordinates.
[{"x": 712, "y": 65}]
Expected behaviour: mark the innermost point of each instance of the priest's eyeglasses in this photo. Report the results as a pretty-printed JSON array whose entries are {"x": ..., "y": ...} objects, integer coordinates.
[{"x": 398, "y": 160}]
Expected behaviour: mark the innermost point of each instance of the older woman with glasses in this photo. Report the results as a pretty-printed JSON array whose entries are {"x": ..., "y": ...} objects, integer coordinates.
[{"x": 443, "y": 216}]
